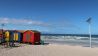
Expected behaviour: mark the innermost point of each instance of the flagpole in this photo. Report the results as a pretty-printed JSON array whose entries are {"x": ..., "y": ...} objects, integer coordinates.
[{"x": 90, "y": 35}]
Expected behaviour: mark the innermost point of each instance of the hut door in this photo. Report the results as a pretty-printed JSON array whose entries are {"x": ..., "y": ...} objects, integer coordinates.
[
  {"x": 16, "y": 36},
  {"x": 28, "y": 37},
  {"x": 7, "y": 36}
]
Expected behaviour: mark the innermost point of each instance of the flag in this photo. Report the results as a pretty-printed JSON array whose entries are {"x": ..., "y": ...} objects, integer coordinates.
[{"x": 88, "y": 20}]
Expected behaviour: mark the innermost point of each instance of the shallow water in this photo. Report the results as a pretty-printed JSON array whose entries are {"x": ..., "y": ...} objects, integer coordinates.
[{"x": 70, "y": 40}]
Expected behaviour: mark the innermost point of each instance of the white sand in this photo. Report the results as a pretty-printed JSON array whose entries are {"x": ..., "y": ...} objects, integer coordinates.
[{"x": 49, "y": 50}]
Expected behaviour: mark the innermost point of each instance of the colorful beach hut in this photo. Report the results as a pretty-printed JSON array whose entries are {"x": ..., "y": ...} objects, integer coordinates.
[
  {"x": 13, "y": 35},
  {"x": 17, "y": 36},
  {"x": 9, "y": 36},
  {"x": 2, "y": 39},
  {"x": 9, "y": 39},
  {"x": 31, "y": 36}
]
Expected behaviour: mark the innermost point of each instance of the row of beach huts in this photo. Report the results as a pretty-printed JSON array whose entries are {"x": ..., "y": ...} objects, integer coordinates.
[{"x": 20, "y": 36}]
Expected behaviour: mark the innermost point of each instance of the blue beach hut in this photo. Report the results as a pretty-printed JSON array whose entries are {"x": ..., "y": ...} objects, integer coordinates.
[{"x": 17, "y": 36}]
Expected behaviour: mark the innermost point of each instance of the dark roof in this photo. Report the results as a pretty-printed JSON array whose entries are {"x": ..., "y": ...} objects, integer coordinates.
[{"x": 35, "y": 31}]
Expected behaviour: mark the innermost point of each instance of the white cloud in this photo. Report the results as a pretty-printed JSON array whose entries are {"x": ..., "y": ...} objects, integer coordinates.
[
  {"x": 52, "y": 26},
  {"x": 22, "y": 22}
]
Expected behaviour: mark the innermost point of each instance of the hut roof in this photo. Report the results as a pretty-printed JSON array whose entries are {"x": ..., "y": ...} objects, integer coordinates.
[
  {"x": 35, "y": 31},
  {"x": 22, "y": 31}
]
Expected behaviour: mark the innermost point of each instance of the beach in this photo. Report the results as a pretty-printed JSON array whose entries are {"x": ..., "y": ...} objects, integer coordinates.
[{"x": 49, "y": 50}]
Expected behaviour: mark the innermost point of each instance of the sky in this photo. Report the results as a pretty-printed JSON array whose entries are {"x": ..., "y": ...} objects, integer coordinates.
[{"x": 50, "y": 16}]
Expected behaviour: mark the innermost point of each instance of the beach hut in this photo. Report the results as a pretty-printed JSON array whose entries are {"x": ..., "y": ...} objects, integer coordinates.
[
  {"x": 9, "y": 36},
  {"x": 17, "y": 36},
  {"x": 0, "y": 36},
  {"x": 13, "y": 35},
  {"x": 31, "y": 36},
  {"x": 2, "y": 39}
]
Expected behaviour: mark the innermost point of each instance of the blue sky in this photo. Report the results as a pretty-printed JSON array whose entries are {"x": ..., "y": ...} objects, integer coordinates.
[{"x": 50, "y": 16}]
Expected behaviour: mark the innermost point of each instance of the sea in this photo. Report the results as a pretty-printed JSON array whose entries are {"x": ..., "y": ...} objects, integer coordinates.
[{"x": 71, "y": 39}]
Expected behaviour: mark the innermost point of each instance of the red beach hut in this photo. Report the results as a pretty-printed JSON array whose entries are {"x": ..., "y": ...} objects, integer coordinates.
[{"x": 31, "y": 36}]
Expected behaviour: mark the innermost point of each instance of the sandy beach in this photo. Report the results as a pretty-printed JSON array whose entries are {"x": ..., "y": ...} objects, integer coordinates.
[{"x": 49, "y": 50}]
